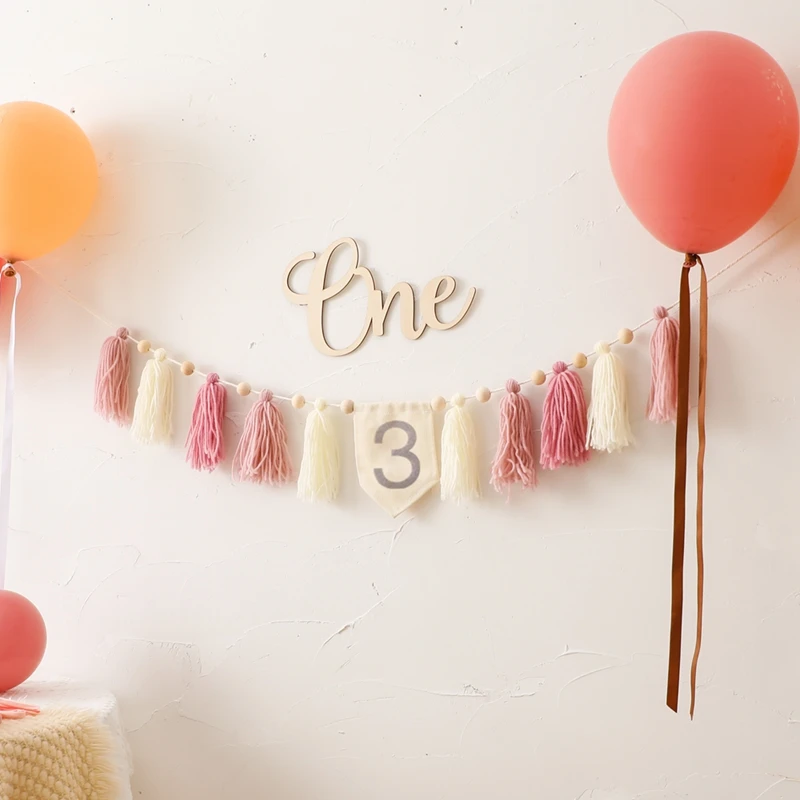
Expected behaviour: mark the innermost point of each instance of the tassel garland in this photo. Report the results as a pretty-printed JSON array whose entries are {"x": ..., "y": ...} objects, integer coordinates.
[
  {"x": 514, "y": 461},
  {"x": 564, "y": 420},
  {"x": 204, "y": 443},
  {"x": 263, "y": 452},
  {"x": 111, "y": 380},
  {"x": 459, "y": 478},
  {"x": 609, "y": 428},
  {"x": 662, "y": 405},
  {"x": 152, "y": 414},
  {"x": 319, "y": 469}
]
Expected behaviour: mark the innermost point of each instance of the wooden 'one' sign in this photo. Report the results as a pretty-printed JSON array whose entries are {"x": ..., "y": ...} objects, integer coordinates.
[{"x": 436, "y": 291}]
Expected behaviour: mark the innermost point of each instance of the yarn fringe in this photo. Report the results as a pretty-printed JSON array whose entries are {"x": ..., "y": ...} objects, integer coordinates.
[
  {"x": 111, "y": 393},
  {"x": 564, "y": 420},
  {"x": 609, "y": 426},
  {"x": 662, "y": 405},
  {"x": 262, "y": 455},
  {"x": 68, "y": 753},
  {"x": 205, "y": 446},
  {"x": 515, "y": 461},
  {"x": 460, "y": 477},
  {"x": 319, "y": 469},
  {"x": 152, "y": 414}
]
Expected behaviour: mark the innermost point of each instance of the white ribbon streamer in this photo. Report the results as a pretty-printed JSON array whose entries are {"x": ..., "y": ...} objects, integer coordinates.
[{"x": 8, "y": 430}]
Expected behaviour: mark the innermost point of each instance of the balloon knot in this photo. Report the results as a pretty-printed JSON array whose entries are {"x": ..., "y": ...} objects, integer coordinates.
[{"x": 690, "y": 260}]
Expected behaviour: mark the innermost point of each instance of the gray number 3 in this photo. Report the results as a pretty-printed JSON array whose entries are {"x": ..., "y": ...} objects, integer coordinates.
[{"x": 402, "y": 452}]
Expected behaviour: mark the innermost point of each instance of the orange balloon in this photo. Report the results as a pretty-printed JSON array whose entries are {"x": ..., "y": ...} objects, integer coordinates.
[{"x": 48, "y": 179}]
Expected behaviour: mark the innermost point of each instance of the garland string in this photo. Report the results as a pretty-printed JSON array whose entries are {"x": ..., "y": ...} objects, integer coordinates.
[{"x": 500, "y": 390}]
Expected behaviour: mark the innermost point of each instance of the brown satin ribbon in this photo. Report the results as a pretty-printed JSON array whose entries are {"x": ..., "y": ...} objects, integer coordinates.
[{"x": 679, "y": 507}]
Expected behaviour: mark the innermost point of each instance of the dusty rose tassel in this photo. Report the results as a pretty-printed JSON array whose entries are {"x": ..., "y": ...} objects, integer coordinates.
[
  {"x": 564, "y": 420},
  {"x": 205, "y": 447},
  {"x": 514, "y": 461},
  {"x": 111, "y": 380},
  {"x": 263, "y": 452},
  {"x": 662, "y": 405}
]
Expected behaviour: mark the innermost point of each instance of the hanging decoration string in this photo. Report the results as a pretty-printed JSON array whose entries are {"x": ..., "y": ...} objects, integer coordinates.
[
  {"x": 701, "y": 455},
  {"x": 288, "y": 398},
  {"x": 679, "y": 500},
  {"x": 8, "y": 424}
]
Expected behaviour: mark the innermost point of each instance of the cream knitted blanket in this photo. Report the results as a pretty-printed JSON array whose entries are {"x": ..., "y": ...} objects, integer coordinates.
[{"x": 62, "y": 754}]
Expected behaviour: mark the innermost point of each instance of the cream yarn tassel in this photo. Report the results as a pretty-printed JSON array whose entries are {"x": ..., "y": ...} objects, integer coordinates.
[
  {"x": 319, "y": 469},
  {"x": 609, "y": 427},
  {"x": 152, "y": 414},
  {"x": 460, "y": 477}
]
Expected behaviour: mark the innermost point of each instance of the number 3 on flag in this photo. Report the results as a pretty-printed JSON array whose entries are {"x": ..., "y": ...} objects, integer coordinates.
[{"x": 395, "y": 453}]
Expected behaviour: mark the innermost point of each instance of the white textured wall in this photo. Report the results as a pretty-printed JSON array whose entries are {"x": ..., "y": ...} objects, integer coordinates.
[{"x": 509, "y": 651}]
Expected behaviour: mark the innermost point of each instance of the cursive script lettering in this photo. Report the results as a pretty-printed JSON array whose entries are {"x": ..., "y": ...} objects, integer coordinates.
[{"x": 436, "y": 291}]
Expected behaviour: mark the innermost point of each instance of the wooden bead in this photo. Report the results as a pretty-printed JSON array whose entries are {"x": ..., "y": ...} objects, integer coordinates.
[
  {"x": 625, "y": 335},
  {"x": 438, "y": 403},
  {"x": 579, "y": 360},
  {"x": 298, "y": 401},
  {"x": 187, "y": 368},
  {"x": 538, "y": 377},
  {"x": 244, "y": 389},
  {"x": 347, "y": 406},
  {"x": 483, "y": 395},
  {"x": 143, "y": 346}
]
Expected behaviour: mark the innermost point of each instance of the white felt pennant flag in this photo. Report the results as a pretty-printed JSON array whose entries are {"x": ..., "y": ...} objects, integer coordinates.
[{"x": 395, "y": 453}]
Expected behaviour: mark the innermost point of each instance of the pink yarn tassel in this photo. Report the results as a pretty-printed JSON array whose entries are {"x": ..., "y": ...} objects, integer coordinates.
[
  {"x": 514, "y": 461},
  {"x": 205, "y": 447},
  {"x": 662, "y": 406},
  {"x": 111, "y": 380},
  {"x": 263, "y": 452},
  {"x": 564, "y": 420}
]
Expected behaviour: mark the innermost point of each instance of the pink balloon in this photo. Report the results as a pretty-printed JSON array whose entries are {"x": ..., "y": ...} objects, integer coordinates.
[
  {"x": 22, "y": 639},
  {"x": 702, "y": 137}
]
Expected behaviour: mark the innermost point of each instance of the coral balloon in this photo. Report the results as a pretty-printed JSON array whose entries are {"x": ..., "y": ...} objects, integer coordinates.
[
  {"x": 22, "y": 639},
  {"x": 702, "y": 137},
  {"x": 48, "y": 179}
]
